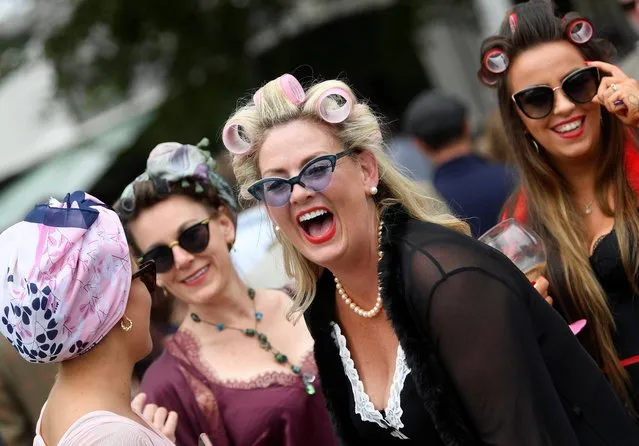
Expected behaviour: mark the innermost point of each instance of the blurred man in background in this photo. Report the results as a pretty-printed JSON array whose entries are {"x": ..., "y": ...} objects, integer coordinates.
[{"x": 473, "y": 188}]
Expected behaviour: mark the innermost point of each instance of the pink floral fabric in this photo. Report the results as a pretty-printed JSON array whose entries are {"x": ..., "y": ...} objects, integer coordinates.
[{"x": 65, "y": 275}]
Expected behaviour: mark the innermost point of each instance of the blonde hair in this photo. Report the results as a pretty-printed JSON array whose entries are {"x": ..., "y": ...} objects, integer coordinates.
[{"x": 360, "y": 131}]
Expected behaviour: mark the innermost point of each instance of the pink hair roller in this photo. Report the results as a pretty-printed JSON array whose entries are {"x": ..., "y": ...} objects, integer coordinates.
[
  {"x": 512, "y": 21},
  {"x": 580, "y": 31},
  {"x": 291, "y": 88},
  {"x": 232, "y": 140},
  {"x": 486, "y": 78},
  {"x": 257, "y": 97},
  {"x": 496, "y": 61},
  {"x": 326, "y": 109}
]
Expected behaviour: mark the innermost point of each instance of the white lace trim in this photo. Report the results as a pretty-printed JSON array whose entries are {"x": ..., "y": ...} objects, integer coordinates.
[{"x": 363, "y": 405}]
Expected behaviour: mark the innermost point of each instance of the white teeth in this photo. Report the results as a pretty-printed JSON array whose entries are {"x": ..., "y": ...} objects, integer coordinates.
[
  {"x": 311, "y": 215},
  {"x": 196, "y": 276},
  {"x": 568, "y": 127}
]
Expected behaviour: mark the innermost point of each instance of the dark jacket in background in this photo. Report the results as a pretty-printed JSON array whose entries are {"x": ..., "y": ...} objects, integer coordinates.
[{"x": 475, "y": 190}]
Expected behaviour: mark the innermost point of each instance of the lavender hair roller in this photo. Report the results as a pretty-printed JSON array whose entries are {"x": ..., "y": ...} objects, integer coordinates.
[
  {"x": 330, "y": 109},
  {"x": 232, "y": 140}
]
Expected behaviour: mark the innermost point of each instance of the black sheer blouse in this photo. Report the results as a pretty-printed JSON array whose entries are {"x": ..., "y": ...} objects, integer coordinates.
[
  {"x": 624, "y": 304},
  {"x": 491, "y": 361}
]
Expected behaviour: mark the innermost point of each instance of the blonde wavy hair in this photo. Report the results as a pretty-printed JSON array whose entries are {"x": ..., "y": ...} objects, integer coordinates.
[{"x": 359, "y": 131}]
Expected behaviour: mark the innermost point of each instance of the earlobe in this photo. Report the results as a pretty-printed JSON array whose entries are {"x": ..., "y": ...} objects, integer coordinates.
[{"x": 370, "y": 170}]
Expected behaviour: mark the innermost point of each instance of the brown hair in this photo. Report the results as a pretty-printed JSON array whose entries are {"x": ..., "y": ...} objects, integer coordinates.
[
  {"x": 551, "y": 211},
  {"x": 147, "y": 194}
]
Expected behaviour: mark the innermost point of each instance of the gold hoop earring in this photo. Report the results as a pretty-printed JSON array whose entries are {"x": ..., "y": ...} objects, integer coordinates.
[
  {"x": 166, "y": 293},
  {"x": 126, "y": 324},
  {"x": 535, "y": 145}
]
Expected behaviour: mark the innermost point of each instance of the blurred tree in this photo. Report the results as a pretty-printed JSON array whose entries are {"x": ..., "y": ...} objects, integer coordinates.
[{"x": 200, "y": 52}]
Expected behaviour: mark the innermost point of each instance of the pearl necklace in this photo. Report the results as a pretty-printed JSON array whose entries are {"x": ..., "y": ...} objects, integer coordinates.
[{"x": 378, "y": 304}]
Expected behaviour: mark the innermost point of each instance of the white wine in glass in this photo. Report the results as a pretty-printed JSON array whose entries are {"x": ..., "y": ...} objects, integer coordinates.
[
  {"x": 520, "y": 244},
  {"x": 525, "y": 249}
]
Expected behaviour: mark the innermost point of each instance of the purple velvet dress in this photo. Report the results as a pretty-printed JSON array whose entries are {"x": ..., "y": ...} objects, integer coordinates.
[{"x": 273, "y": 409}]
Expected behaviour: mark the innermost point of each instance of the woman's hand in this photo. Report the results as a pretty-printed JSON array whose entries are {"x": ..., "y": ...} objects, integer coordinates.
[
  {"x": 162, "y": 419},
  {"x": 618, "y": 93},
  {"x": 542, "y": 285}
]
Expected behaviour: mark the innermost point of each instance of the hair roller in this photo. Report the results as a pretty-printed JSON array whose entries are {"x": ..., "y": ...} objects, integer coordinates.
[
  {"x": 487, "y": 78},
  {"x": 495, "y": 61},
  {"x": 257, "y": 97},
  {"x": 292, "y": 88},
  {"x": 579, "y": 30},
  {"x": 333, "y": 110},
  {"x": 289, "y": 85},
  {"x": 512, "y": 22},
  {"x": 234, "y": 142}
]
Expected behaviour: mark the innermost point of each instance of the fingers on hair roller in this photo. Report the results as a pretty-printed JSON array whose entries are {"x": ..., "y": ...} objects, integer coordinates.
[
  {"x": 579, "y": 31},
  {"x": 334, "y": 105},
  {"x": 233, "y": 140}
]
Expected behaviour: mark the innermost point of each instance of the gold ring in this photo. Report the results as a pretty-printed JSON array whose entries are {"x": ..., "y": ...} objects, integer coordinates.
[{"x": 614, "y": 87}]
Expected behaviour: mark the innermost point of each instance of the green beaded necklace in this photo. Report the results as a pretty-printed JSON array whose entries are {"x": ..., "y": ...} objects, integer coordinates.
[{"x": 280, "y": 358}]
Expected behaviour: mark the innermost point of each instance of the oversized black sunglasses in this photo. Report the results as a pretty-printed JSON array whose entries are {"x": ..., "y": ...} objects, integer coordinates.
[
  {"x": 146, "y": 274},
  {"x": 193, "y": 239},
  {"x": 538, "y": 101},
  {"x": 316, "y": 175}
]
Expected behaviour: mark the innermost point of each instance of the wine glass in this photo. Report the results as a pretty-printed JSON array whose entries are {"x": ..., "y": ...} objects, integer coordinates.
[
  {"x": 520, "y": 244},
  {"x": 525, "y": 249}
]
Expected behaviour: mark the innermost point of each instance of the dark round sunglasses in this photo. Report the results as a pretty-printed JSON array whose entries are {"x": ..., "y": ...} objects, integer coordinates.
[
  {"x": 316, "y": 175},
  {"x": 538, "y": 101},
  {"x": 146, "y": 274},
  {"x": 193, "y": 239}
]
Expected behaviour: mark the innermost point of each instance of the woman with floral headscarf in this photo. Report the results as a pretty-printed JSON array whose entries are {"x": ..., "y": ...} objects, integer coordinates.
[
  {"x": 69, "y": 293},
  {"x": 237, "y": 369}
]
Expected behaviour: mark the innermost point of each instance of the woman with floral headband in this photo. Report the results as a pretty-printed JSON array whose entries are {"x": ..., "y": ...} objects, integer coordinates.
[
  {"x": 422, "y": 334},
  {"x": 566, "y": 113},
  {"x": 68, "y": 295},
  {"x": 237, "y": 369}
]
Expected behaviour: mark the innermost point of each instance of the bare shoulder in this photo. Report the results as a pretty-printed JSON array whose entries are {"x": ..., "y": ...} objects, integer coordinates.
[{"x": 274, "y": 300}]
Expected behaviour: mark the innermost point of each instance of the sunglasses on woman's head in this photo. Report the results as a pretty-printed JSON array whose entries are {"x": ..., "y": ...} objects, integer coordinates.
[
  {"x": 316, "y": 175},
  {"x": 538, "y": 101},
  {"x": 146, "y": 274},
  {"x": 193, "y": 239}
]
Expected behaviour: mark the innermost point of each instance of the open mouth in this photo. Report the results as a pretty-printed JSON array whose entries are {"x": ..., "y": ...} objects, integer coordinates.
[
  {"x": 571, "y": 127},
  {"x": 318, "y": 224}
]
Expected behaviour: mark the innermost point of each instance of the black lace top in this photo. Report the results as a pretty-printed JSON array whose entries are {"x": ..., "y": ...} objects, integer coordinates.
[
  {"x": 491, "y": 361},
  {"x": 624, "y": 303}
]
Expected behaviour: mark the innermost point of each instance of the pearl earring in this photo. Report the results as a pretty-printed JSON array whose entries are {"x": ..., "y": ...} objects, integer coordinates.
[
  {"x": 373, "y": 190},
  {"x": 277, "y": 229}
]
